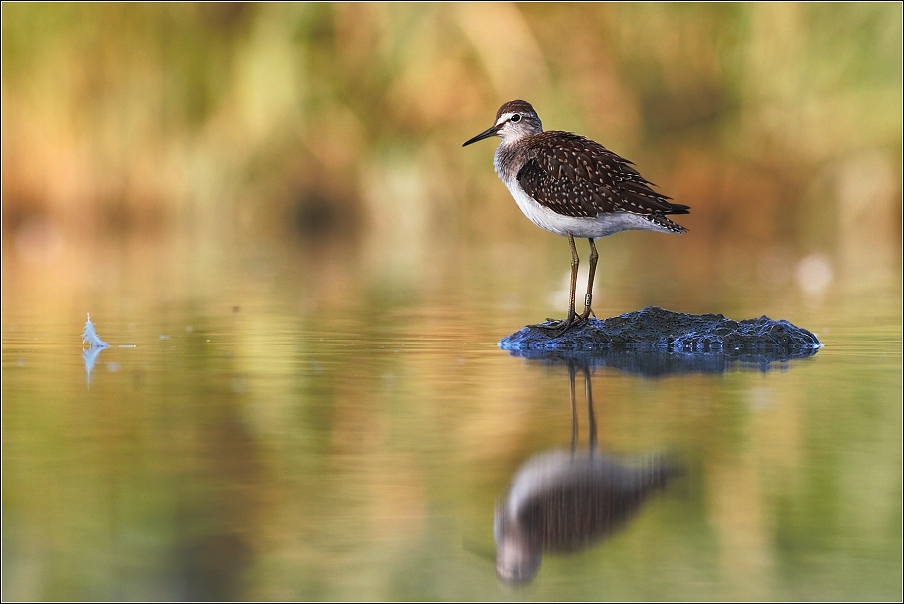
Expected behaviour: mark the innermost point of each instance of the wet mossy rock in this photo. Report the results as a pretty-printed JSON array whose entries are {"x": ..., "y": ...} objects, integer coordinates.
[{"x": 655, "y": 328}]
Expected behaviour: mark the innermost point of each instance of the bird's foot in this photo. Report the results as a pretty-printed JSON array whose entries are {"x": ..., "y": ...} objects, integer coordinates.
[
  {"x": 588, "y": 312},
  {"x": 556, "y": 327}
]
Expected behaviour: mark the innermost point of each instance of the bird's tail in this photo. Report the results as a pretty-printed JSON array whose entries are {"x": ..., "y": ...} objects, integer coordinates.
[
  {"x": 659, "y": 219},
  {"x": 677, "y": 208}
]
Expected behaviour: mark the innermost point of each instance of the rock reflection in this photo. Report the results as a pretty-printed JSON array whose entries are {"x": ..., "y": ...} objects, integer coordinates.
[
  {"x": 656, "y": 363},
  {"x": 565, "y": 501}
]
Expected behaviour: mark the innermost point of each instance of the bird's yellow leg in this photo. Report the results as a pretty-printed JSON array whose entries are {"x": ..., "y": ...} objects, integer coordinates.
[
  {"x": 594, "y": 256},
  {"x": 557, "y": 328},
  {"x": 575, "y": 262}
]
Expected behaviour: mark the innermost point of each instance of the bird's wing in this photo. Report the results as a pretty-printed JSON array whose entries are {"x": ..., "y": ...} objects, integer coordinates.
[
  {"x": 565, "y": 196},
  {"x": 576, "y": 176}
]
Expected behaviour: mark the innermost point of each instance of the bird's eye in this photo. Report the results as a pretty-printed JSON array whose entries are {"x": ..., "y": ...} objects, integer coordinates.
[{"x": 516, "y": 118}]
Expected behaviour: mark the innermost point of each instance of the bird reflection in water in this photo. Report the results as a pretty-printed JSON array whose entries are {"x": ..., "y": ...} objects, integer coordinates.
[{"x": 565, "y": 501}]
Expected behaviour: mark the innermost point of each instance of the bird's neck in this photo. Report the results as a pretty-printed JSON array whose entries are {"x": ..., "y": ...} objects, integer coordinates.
[{"x": 510, "y": 156}]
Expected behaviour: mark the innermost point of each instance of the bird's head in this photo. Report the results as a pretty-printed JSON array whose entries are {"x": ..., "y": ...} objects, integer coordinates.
[{"x": 514, "y": 121}]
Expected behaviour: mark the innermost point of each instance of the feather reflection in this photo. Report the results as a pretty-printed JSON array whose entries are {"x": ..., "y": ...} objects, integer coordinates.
[{"x": 565, "y": 501}]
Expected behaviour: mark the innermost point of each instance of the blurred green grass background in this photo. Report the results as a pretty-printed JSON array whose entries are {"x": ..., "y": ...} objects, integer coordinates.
[{"x": 773, "y": 121}]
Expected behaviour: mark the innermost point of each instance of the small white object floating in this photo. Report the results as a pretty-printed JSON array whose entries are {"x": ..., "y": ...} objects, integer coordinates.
[
  {"x": 89, "y": 336},
  {"x": 95, "y": 346}
]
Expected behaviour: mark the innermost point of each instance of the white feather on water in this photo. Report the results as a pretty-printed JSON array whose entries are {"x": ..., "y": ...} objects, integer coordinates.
[{"x": 89, "y": 335}]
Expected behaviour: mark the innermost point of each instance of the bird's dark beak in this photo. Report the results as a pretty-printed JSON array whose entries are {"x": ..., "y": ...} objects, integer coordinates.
[{"x": 485, "y": 134}]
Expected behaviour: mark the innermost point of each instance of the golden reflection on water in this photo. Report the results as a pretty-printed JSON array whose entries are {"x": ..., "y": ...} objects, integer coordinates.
[{"x": 285, "y": 428}]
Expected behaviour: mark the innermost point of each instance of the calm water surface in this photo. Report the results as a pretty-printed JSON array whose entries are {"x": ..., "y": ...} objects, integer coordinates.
[{"x": 265, "y": 429}]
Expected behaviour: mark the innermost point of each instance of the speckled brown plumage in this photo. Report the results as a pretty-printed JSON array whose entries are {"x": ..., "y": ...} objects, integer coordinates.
[{"x": 575, "y": 176}]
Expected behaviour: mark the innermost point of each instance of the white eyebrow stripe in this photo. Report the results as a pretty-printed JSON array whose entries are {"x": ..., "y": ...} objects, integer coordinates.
[{"x": 505, "y": 117}]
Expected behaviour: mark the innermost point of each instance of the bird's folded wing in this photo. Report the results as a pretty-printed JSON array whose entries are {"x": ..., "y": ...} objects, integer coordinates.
[{"x": 575, "y": 176}]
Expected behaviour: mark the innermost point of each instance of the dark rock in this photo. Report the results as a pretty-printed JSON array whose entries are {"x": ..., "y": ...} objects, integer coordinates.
[{"x": 655, "y": 329}]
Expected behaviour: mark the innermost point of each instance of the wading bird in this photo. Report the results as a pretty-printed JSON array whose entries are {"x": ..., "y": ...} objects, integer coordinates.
[{"x": 574, "y": 187}]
